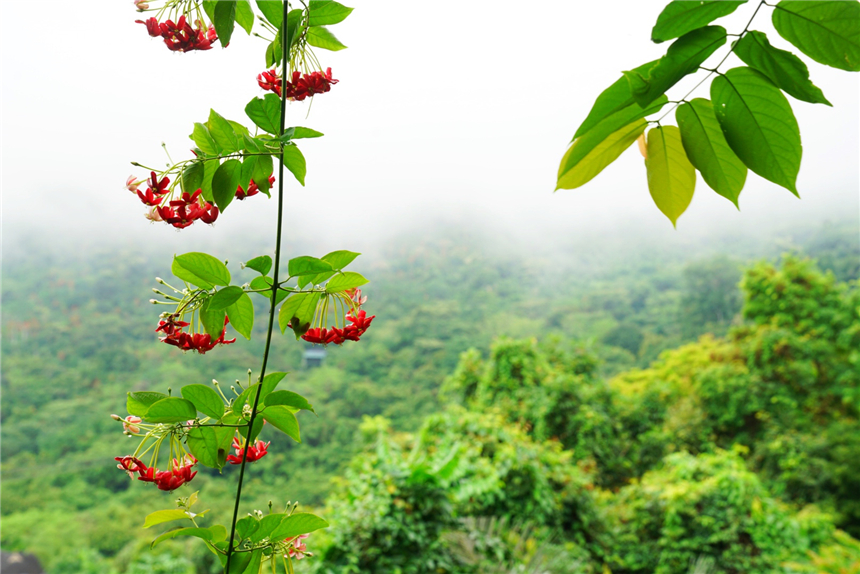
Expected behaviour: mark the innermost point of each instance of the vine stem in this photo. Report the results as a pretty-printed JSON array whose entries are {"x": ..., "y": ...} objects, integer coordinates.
[{"x": 284, "y": 60}]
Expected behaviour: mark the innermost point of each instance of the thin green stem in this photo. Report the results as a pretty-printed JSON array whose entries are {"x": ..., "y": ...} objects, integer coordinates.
[{"x": 284, "y": 60}]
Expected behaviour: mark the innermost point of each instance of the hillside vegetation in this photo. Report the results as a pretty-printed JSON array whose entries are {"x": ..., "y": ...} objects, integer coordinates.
[{"x": 505, "y": 414}]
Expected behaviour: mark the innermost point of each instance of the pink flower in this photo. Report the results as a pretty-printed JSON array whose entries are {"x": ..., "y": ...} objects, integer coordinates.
[
  {"x": 298, "y": 549},
  {"x": 141, "y": 5},
  {"x": 132, "y": 183},
  {"x": 129, "y": 424}
]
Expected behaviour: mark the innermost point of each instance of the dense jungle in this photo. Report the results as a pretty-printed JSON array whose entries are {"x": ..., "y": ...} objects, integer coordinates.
[{"x": 624, "y": 409}]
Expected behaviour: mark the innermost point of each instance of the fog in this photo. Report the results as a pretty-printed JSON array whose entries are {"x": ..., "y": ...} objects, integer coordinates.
[{"x": 445, "y": 121}]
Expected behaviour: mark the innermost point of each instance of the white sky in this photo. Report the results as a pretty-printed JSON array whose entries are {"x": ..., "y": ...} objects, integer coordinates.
[{"x": 457, "y": 111}]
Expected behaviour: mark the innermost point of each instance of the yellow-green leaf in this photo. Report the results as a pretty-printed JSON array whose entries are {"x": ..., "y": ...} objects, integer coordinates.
[{"x": 671, "y": 176}]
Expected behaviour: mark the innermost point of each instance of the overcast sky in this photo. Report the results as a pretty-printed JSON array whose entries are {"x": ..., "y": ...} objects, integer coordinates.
[{"x": 456, "y": 111}]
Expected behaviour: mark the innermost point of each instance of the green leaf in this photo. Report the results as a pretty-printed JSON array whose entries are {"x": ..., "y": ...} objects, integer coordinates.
[
  {"x": 224, "y": 19},
  {"x": 682, "y": 16},
  {"x": 205, "y": 400},
  {"x": 192, "y": 177},
  {"x": 219, "y": 533},
  {"x": 209, "y": 8},
  {"x": 241, "y": 315},
  {"x": 210, "y": 444},
  {"x": 301, "y": 133},
  {"x": 246, "y": 526},
  {"x": 305, "y": 280},
  {"x": 225, "y": 297},
  {"x": 249, "y": 164},
  {"x": 708, "y": 150},
  {"x": 759, "y": 125},
  {"x": 262, "y": 170},
  {"x": 267, "y": 524},
  {"x": 327, "y": 12},
  {"x": 295, "y": 162},
  {"x": 270, "y": 381},
  {"x": 298, "y": 311},
  {"x": 321, "y": 37},
  {"x": 283, "y": 419},
  {"x": 171, "y": 410},
  {"x": 222, "y": 133},
  {"x": 344, "y": 281},
  {"x": 683, "y": 57},
  {"x": 337, "y": 259},
  {"x": 306, "y": 265},
  {"x": 602, "y": 144},
  {"x": 205, "y": 267},
  {"x": 203, "y": 533},
  {"x": 209, "y": 169},
  {"x": 139, "y": 401},
  {"x": 203, "y": 140},
  {"x": 614, "y": 98},
  {"x": 212, "y": 319},
  {"x": 226, "y": 182},
  {"x": 296, "y": 524},
  {"x": 294, "y": 22},
  {"x": 255, "y": 431},
  {"x": 827, "y": 32},
  {"x": 240, "y": 562},
  {"x": 261, "y": 264},
  {"x": 188, "y": 276},
  {"x": 288, "y": 399},
  {"x": 162, "y": 516},
  {"x": 784, "y": 69},
  {"x": 265, "y": 112},
  {"x": 245, "y": 15},
  {"x": 340, "y": 259},
  {"x": 246, "y": 397},
  {"x": 273, "y": 11},
  {"x": 671, "y": 176}
]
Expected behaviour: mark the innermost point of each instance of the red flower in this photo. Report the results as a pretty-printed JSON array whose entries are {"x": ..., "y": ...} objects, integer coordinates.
[
  {"x": 200, "y": 342},
  {"x": 255, "y": 452},
  {"x": 171, "y": 479},
  {"x": 180, "y": 36},
  {"x": 252, "y": 189},
  {"x": 269, "y": 80},
  {"x": 319, "y": 336},
  {"x": 152, "y": 27},
  {"x": 182, "y": 212},
  {"x": 304, "y": 86}
]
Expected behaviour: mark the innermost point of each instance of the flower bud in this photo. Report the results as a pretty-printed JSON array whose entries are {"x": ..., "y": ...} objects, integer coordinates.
[
  {"x": 116, "y": 417},
  {"x": 129, "y": 425},
  {"x": 153, "y": 301},
  {"x": 141, "y": 5},
  {"x": 132, "y": 184}
]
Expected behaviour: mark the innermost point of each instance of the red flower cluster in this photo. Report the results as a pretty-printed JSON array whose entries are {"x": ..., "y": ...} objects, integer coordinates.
[
  {"x": 301, "y": 86},
  {"x": 171, "y": 479},
  {"x": 360, "y": 324},
  {"x": 181, "y": 37},
  {"x": 252, "y": 189},
  {"x": 270, "y": 80},
  {"x": 200, "y": 342},
  {"x": 256, "y": 452},
  {"x": 182, "y": 212}
]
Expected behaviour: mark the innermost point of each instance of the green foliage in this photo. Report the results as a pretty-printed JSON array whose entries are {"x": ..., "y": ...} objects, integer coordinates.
[
  {"x": 707, "y": 505},
  {"x": 756, "y": 126}
]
